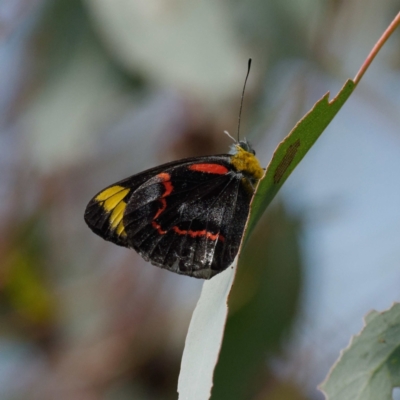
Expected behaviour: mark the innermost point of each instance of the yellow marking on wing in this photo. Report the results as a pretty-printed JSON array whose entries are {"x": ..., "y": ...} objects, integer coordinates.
[
  {"x": 121, "y": 229},
  {"x": 247, "y": 162},
  {"x": 111, "y": 197},
  {"x": 117, "y": 214},
  {"x": 111, "y": 191},
  {"x": 112, "y": 202}
]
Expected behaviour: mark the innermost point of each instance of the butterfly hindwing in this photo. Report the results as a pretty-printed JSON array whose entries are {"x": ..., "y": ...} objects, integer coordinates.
[{"x": 181, "y": 231}]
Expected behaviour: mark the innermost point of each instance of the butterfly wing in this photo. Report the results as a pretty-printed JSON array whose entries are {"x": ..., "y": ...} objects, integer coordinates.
[
  {"x": 186, "y": 216},
  {"x": 104, "y": 213}
]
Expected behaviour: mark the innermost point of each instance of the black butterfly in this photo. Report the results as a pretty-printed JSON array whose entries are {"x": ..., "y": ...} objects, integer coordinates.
[{"x": 187, "y": 216}]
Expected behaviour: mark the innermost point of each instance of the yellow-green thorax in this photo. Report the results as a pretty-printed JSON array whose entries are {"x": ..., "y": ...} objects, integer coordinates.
[{"x": 247, "y": 163}]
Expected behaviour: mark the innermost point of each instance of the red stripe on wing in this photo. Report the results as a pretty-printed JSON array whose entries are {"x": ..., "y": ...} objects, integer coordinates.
[
  {"x": 209, "y": 168},
  {"x": 193, "y": 234}
]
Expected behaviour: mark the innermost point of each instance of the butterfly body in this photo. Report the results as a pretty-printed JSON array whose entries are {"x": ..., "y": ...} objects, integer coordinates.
[{"x": 187, "y": 216}]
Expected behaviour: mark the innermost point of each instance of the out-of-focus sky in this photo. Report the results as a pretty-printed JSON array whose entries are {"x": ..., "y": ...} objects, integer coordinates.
[{"x": 94, "y": 91}]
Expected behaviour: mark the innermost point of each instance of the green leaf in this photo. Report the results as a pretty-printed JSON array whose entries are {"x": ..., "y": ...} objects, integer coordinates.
[
  {"x": 369, "y": 368},
  {"x": 262, "y": 306},
  {"x": 293, "y": 148}
]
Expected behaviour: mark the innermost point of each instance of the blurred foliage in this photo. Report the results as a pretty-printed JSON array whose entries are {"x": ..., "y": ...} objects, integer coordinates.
[
  {"x": 27, "y": 299},
  {"x": 62, "y": 31},
  {"x": 278, "y": 390}
]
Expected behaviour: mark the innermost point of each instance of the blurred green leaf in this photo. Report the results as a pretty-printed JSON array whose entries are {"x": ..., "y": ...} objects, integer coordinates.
[
  {"x": 282, "y": 390},
  {"x": 369, "y": 368},
  {"x": 141, "y": 33},
  {"x": 262, "y": 306},
  {"x": 25, "y": 290},
  {"x": 65, "y": 31}
]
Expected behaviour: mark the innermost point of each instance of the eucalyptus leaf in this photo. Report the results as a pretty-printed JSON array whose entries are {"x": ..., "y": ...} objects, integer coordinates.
[
  {"x": 369, "y": 368},
  {"x": 293, "y": 148}
]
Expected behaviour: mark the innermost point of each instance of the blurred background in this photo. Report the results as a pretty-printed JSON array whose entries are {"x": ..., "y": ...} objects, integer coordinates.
[{"x": 94, "y": 91}]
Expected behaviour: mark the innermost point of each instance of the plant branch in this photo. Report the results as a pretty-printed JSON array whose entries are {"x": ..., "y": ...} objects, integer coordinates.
[{"x": 391, "y": 28}]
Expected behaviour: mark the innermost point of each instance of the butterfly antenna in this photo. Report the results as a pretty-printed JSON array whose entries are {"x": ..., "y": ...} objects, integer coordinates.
[
  {"x": 241, "y": 100},
  {"x": 227, "y": 133}
]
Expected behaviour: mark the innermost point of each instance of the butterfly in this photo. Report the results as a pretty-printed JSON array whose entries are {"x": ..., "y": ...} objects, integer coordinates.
[{"x": 187, "y": 216}]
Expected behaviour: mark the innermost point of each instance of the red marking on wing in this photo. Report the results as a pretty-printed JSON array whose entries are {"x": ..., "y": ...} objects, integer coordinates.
[
  {"x": 164, "y": 176},
  {"x": 158, "y": 227},
  {"x": 166, "y": 181},
  {"x": 162, "y": 209},
  {"x": 210, "y": 168},
  {"x": 194, "y": 234},
  {"x": 168, "y": 189}
]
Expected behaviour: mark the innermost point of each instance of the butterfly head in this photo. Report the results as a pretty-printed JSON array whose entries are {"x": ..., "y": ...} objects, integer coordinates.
[
  {"x": 240, "y": 145},
  {"x": 245, "y": 145}
]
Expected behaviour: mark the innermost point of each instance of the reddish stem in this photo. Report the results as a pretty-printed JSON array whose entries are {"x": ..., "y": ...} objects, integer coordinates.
[{"x": 391, "y": 28}]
